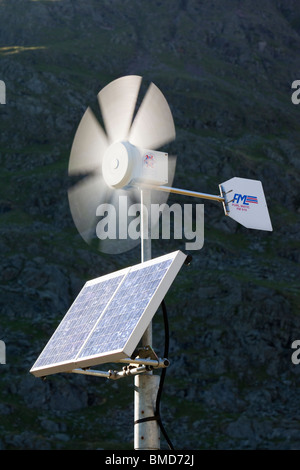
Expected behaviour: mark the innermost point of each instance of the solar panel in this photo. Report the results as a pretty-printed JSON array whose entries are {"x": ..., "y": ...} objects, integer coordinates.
[{"x": 109, "y": 316}]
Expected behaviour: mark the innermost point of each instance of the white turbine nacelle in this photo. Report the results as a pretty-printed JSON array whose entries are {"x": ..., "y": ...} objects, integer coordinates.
[{"x": 124, "y": 163}]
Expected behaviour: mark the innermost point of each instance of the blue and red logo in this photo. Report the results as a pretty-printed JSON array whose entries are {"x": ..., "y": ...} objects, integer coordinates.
[
  {"x": 149, "y": 161},
  {"x": 244, "y": 199}
]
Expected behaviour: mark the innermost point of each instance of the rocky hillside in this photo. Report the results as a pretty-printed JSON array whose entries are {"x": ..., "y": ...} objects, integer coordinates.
[{"x": 226, "y": 69}]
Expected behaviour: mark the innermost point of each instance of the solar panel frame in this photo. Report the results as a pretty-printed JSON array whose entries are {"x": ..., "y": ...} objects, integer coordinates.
[{"x": 144, "y": 315}]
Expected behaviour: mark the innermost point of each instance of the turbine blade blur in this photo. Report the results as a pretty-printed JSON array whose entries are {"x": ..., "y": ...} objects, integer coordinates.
[
  {"x": 89, "y": 145},
  {"x": 153, "y": 125},
  {"x": 117, "y": 102}
]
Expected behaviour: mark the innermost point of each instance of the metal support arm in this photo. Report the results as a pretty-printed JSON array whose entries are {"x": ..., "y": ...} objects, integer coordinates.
[
  {"x": 185, "y": 192},
  {"x": 135, "y": 366}
]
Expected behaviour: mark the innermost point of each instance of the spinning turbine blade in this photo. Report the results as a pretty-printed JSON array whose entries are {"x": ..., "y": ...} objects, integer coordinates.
[
  {"x": 97, "y": 201},
  {"x": 84, "y": 198},
  {"x": 117, "y": 219},
  {"x": 117, "y": 102},
  {"x": 89, "y": 145},
  {"x": 153, "y": 125}
]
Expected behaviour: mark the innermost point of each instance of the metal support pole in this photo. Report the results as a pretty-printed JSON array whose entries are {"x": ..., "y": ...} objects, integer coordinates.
[
  {"x": 145, "y": 225},
  {"x": 146, "y": 246},
  {"x": 146, "y": 434}
]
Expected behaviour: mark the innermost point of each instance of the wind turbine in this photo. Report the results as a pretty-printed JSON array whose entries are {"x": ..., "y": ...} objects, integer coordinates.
[{"x": 123, "y": 160}]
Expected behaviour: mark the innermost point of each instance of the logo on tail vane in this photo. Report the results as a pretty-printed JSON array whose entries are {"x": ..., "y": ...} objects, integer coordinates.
[
  {"x": 249, "y": 211},
  {"x": 244, "y": 199}
]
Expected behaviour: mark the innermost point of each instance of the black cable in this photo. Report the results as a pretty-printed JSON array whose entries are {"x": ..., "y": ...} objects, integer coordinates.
[
  {"x": 166, "y": 325},
  {"x": 162, "y": 376}
]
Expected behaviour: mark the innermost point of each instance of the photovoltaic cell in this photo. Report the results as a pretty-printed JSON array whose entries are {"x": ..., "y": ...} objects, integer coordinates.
[
  {"x": 125, "y": 310},
  {"x": 72, "y": 332},
  {"x": 109, "y": 316}
]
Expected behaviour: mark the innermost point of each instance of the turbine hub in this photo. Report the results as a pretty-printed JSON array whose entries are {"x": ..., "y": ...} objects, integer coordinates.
[{"x": 118, "y": 164}]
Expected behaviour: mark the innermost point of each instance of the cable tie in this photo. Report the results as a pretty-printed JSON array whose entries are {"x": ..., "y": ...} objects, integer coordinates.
[{"x": 149, "y": 418}]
